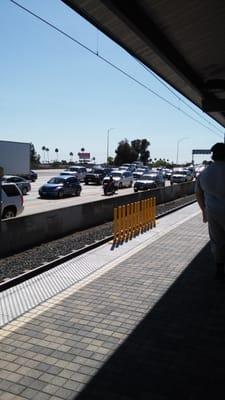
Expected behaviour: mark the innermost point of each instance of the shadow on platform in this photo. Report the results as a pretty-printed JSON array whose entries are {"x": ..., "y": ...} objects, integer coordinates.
[{"x": 178, "y": 350}]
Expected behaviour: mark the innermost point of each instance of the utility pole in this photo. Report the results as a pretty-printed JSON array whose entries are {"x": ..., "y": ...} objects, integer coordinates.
[
  {"x": 107, "y": 150},
  {"x": 178, "y": 145}
]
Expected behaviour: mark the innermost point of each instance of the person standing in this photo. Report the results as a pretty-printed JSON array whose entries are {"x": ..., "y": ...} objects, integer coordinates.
[{"x": 210, "y": 195}]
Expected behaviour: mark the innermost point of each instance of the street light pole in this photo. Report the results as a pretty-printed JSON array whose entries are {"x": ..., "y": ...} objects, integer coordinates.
[
  {"x": 178, "y": 145},
  {"x": 108, "y": 130}
]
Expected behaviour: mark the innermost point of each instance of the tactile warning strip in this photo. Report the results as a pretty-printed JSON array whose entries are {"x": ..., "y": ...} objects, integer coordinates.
[{"x": 21, "y": 298}]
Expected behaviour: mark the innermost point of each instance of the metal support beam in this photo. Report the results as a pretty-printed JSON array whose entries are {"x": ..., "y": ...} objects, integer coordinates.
[
  {"x": 211, "y": 104},
  {"x": 145, "y": 27}
]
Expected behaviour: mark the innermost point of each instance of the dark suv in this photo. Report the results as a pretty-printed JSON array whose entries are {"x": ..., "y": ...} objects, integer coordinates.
[
  {"x": 96, "y": 176},
  {"x": 60, "y": 186}
]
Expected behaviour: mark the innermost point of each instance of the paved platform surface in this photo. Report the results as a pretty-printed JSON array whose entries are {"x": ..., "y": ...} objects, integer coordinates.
[
  {"x": 148, "y": 325},
  {"x": 23, "y": 297}
]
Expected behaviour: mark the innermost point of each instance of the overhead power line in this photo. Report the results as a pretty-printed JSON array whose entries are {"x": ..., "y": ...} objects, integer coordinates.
[
  {"x": 171, "y": 90},
  {"x": 113, "y": 65}
]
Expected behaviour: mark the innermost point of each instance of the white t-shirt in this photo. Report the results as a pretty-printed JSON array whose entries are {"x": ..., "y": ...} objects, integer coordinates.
[{"x": 212, "y": 182}]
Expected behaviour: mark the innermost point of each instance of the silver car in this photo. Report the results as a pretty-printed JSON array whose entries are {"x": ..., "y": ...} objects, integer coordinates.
[
  {"x": 181, "y": 176},
  {"x": 23, "y": 184},
  {"x": 80, "y": 171},
  {"x": 121, "y": 179}
]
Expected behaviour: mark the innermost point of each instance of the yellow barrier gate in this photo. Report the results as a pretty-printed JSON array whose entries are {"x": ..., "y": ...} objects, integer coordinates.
[{"x": 131, "y": 219}]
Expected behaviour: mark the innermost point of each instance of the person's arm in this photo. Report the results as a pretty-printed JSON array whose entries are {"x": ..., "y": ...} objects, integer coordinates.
[{"x": 201, "y": 200}]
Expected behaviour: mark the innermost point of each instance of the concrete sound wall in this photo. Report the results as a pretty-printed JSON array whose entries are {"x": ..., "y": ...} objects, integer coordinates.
[{"x": 27, "y": 231}]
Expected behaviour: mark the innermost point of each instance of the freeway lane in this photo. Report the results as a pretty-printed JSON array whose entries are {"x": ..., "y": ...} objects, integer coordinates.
[{"x": 33, "y": 204}]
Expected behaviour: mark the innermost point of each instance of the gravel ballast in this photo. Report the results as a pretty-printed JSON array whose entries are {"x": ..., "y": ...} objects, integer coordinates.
[{"x": 19, "y": 263}]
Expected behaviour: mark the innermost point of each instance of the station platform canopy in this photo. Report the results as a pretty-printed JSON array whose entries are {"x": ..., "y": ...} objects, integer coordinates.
[{"x": 182, "y": 42}]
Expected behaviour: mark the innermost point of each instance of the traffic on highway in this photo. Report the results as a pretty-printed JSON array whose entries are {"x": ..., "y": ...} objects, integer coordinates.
[
  {"x": 57, "y": 188},
  {"x": 91, "y": 192}
]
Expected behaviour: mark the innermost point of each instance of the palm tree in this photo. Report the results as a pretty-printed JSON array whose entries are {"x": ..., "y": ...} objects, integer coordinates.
[
  {"x": 43, "y": 149},
  {"x": 57, "y": 151},
  {"x": 47, "y": 149},
  {"x": 71, "y": 156}
]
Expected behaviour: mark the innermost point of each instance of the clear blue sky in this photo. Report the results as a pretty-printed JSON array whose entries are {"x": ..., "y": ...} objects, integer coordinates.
[{"x": 54, "y": 93}]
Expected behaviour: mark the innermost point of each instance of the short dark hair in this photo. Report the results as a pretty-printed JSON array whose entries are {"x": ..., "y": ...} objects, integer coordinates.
[{"x": 218, "y": 152}]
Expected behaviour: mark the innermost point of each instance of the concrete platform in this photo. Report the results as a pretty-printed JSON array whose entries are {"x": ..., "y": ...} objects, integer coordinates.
[{"x": 147, "y": 322}]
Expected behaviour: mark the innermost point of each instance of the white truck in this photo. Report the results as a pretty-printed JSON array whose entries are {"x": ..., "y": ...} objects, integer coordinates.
[{"x": 15, "y": 157}]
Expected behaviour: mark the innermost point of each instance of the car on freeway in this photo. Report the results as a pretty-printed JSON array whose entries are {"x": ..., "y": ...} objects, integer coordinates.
[
  {"x": 145, "y": 182},
  {"x": 31, "y": 176},
  {"x": 121, "y": 179},
  {"x": 96, "y": 176},
  {"x": 89, "y": 169},
  {"x": 60, "y": 186},
  {"x": 68, "y": 173},
  {"x": 139, "y": 172},
  {"x": 23, "y": 184},
  {"x": 127, "y": 167},
  {"x": 11, "y": 200},
  {"x": 137, "y": 175},
  {"x": 167, "y": 173},
  {"x": 81, "y": 171},
  {"x": 158, "y": 178},
  {"x": 137, "y": 164},
  {"x": 181, "y": 176}
]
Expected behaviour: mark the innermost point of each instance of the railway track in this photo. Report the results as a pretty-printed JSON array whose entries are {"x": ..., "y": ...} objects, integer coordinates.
[{"x": 13, "y": 276}]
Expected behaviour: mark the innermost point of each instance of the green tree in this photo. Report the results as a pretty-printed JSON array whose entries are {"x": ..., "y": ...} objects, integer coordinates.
[
  {"x": 141, "y": 148},
  {"x": 34, "y": 157},
  {"x": 136, "y": 144},
  {"x": 110, "y": 160},
  {"x": 57, "y": 153},
  {"x": 55, "y": 164},
  {"x": 125, "y": 153},
  {"x": 71, "y": 156},
  {"x": 47, "y": 151},
  {"x": 43, "y": 149},
  {"x": 161, "y": 163}
]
